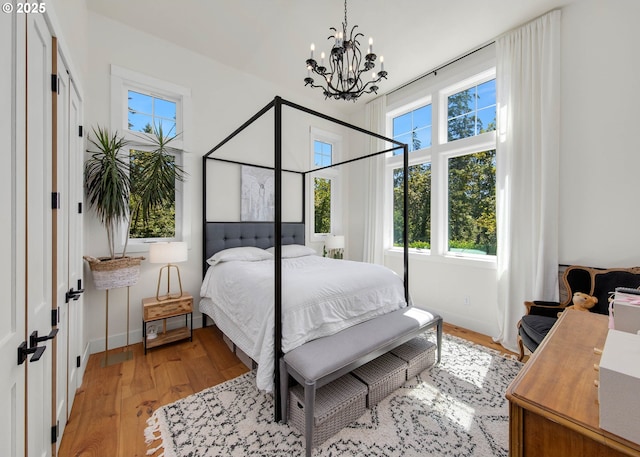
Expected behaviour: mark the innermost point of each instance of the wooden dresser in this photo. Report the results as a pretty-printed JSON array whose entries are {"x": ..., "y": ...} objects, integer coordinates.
[{"x": 553, "y": 402}]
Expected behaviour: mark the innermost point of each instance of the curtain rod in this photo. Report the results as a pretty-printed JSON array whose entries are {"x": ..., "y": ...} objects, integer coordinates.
[{"x": 437, "y": 69}]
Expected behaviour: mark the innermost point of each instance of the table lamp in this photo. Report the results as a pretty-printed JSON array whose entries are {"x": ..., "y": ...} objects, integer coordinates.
[
  {"x": 170, "y": 253},
  {"x": 335, "y": 246}
]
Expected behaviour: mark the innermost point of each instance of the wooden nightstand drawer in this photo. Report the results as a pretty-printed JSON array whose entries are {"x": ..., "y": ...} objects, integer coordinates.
[{"x": 154, "y": 309}]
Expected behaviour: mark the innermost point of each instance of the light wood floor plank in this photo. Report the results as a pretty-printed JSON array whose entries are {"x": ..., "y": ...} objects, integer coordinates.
[{"x": 113, "y": 404}]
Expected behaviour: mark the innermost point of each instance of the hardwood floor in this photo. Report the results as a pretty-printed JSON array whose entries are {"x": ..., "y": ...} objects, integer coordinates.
[{"x": 113, "y": 404}]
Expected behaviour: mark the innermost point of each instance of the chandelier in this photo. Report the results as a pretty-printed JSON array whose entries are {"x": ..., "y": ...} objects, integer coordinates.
[{"x": 345, "y": 78}]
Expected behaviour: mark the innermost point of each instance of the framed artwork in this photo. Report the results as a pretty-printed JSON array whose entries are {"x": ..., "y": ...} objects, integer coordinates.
[{"x": 257, "y": 194}]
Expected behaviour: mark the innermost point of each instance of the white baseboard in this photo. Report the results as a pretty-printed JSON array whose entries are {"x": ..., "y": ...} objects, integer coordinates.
[{"x": 119, "y": 340}]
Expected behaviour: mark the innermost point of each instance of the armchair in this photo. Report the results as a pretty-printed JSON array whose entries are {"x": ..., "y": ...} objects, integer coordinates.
[{"x": 540, "y": 316}]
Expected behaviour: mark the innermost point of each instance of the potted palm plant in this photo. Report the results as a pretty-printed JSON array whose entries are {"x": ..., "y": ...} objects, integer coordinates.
[{"x": 118, "y": 199}]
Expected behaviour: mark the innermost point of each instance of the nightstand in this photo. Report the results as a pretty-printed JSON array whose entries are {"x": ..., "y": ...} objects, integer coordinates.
[{"x": 154, "y": 310}]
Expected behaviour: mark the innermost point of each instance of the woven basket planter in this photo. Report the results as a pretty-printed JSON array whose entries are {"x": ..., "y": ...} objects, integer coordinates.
[{"x": 113, "y": 273}]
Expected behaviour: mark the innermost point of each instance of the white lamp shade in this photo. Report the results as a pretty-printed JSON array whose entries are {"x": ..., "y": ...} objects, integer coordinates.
[
  {"x": 168, "y": 252},
  {"x": 334, "y": 242}
]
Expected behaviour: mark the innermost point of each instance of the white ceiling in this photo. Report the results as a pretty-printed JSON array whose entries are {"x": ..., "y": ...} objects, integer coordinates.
[{"x": 270, "y": 38}]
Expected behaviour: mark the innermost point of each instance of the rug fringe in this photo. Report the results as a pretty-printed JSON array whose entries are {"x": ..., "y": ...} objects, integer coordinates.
[{"x": 152, "y": 434}]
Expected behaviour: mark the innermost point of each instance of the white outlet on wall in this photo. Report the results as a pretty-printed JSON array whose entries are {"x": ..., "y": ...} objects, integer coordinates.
[{"x": 466, "y": 300}]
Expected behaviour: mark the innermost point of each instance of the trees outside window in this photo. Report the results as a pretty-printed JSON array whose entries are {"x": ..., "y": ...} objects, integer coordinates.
[{"x": 452, "y": 176}]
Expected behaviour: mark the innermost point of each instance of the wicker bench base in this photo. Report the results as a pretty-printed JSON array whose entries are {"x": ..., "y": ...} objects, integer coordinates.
[
  {"x": 382, "y": 376},
  {"x": 337, "y": 405},
  {"x": 419, "y": 354}
]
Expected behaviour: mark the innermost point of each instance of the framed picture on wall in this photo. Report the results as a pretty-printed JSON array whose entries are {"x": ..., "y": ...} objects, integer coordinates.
[{"x": 257, "y": 196}]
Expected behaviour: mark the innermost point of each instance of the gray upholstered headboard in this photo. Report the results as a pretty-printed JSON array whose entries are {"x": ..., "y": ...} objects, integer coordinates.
[{"x": 223, "y": 235}]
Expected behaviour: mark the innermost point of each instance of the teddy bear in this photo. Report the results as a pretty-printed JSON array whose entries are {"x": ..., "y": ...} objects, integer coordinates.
[{"x": 583, "y": 302}]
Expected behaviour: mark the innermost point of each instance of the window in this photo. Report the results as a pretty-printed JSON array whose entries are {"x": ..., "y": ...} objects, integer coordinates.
[
  {"x": 147, "y": 112},
  {"x": 324, "y": 197},
  {"x": 161, "y": 222},
  {"x": 452, "y": 168},
  {"x": 413, "y": 128},
  {"x": 322, "y": 153},
  {"x": 419, "y": 208},
  {"x": 471, "y": 111},
  {"x": 321, "y": 205},
  {"x": 144, "y": 108},
  {"x": 472, "y": 203}
]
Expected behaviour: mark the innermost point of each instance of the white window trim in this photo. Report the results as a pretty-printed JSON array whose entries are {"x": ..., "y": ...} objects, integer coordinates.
[
  {"x": 438, "y": 154},
  {"x": 334, "y": 174},
  {"x": 122, "y": 80}
]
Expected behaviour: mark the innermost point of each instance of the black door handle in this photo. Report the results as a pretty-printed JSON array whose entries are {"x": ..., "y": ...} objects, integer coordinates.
[
  {"x": 34, "y": 339},
  {"x": 23, "y": 353},
  {"x": 72, "y": 295}
]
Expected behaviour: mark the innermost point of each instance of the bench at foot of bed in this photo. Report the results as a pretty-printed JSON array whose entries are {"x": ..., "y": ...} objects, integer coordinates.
[{"x": 318, "y": 362}]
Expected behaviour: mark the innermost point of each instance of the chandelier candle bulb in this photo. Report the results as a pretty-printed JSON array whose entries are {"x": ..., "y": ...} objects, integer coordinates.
[
  {"x": 381, "y": 63},
  {"x": 313, "y": 47},
  {"x": 370, "y": 45}
]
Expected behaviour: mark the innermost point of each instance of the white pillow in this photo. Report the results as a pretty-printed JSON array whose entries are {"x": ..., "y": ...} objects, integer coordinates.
[
  {"x": 244, "y": 253},
  {"x": 290, "y": 251}
]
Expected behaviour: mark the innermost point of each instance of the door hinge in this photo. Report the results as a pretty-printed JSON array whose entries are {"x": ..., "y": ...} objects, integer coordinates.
[
  {"x": 79, "y": 207},
  {"x": 54, "y": 83},
  {"x": 54, "y": 434},
  {"x": 55, "y": 200},
  {"x": 80, "y": 131},
  {"x": 54, "y": 317},
  {"x": 78, "y": 362}
]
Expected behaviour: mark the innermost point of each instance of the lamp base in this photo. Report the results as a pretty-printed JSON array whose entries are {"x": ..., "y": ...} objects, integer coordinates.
[{"x": 168, "y": 295}]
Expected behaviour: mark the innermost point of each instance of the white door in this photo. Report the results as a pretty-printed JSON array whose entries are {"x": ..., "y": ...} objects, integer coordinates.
[
  {"x": 61, "y": 241},
  {"x": 38, "y": 233},
  {"x": 75, "y": 160},
  {"x": 68, "y": 257},
  {"x": 12, "y": 234}
]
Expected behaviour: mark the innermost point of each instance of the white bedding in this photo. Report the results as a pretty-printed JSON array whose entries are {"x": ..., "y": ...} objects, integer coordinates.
[{"x": 320, "y": 297}]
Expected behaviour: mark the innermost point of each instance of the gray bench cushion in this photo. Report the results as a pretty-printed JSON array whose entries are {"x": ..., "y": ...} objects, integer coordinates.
[{"x": 330, "y": 354}]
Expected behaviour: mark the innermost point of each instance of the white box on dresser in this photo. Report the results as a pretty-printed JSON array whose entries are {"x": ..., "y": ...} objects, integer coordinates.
[{"x": 619, "y": 391}]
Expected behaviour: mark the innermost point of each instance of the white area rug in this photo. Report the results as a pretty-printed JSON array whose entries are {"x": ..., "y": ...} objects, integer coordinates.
[{"x": 456, "y": 408}]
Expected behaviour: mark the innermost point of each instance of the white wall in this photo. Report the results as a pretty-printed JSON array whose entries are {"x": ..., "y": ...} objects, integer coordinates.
[
  {"x": 599, "y": 167},
  {"x": 222, "y": 99},
  {"x": 600, "y": 158}
]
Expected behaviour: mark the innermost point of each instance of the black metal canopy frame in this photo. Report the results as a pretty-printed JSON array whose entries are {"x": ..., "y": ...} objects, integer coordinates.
[{"x": 277, "y": 104}]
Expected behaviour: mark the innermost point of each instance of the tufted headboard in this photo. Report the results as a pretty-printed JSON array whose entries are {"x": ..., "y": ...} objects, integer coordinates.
[{"x": 223, "y": 235}]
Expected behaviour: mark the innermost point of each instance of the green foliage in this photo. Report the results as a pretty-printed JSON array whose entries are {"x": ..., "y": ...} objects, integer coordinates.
[
  {"x": 419, "y": 212},
  {"x": 153, "y": 184},
  {"x": 322, "y": 205},
  {"x": 107, "y": 183}
]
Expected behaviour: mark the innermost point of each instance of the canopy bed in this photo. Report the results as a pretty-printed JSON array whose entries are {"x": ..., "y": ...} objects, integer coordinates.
[{"x": 281, "y": 271}]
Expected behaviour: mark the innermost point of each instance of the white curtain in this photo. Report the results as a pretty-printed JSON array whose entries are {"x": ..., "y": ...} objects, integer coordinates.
[
  {"x": 528, "y": 147},
  {"x": 373, "y": 249}
]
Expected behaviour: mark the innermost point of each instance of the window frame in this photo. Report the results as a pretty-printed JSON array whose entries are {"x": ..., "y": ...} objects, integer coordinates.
[
  {"x": 123, "y": 80},
  {"x": 438, "y": 155},
  {"x": 333, "y": 175}
]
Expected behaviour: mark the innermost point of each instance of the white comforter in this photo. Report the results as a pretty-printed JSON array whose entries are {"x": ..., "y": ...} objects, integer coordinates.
[{"x": 320, "y": 297}]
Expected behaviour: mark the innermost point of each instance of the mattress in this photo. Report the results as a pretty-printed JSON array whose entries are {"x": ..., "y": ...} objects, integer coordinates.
[{"x": 320, "y": 296}]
